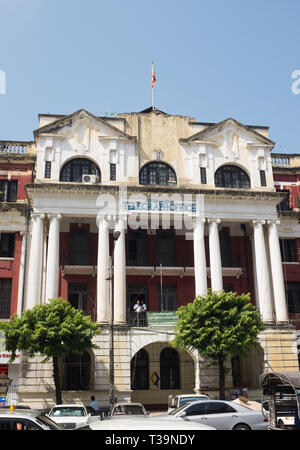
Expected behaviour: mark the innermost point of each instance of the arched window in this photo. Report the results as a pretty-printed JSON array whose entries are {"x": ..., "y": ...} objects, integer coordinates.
[
  {"x": 77, "y": 372},
  {"x": 140, "y": 370},
  {"x": 169, "y": 369},
  {"x": 230, "y": 176},
  {"x": 158, "y": 173},
  {"x": 74, "y": 169}
]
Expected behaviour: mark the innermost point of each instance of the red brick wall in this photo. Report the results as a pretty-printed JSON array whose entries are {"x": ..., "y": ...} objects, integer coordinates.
[{"x": 11, "y": 269}]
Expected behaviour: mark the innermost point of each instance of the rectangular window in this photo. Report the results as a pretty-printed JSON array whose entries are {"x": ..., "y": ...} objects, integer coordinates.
[
  {"x": 293, "y": 296},
  {"x": 203, "y": 175},
  {"x": 5, "y": 298},
  {"x": 48, "y": 169},
  {"x": 113, "y": 171},
  {"x": 4, "y": 369},
  {"x": 288, "y": 250},
  {"x": 263, "y": 178},
  {"x": 8, "y": 190},
  {"x": 167, "y": 297},
  {"x": 7, "y": 245}
]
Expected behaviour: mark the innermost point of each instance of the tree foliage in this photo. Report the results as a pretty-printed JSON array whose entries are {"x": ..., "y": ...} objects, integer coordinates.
[
  {"x": 51, "y": 330},
  {"x": 219, "y": 325}
]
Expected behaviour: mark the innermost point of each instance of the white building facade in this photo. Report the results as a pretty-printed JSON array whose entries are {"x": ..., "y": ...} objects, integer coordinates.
[{"x": 196, "y": 208}]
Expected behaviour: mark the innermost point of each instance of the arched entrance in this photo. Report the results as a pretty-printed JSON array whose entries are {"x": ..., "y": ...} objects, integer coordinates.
[{"x": 157, "y": 371}]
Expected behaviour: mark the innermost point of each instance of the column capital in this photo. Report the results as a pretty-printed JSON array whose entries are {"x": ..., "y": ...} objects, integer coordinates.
[
  {"x": 36, "y": 215},
  {"x": 259, "y": 221},
  {"x": 214, "y": 221},
  {"x": 57, "y": 216},
  {"x": 196, "y": 219},
  {"x": 273, "y": 222},
  {"x": 103, "y": 218}
]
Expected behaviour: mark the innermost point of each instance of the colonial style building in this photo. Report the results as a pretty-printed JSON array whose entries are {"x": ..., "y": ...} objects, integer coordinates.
[{"x": 196, "y": 206}]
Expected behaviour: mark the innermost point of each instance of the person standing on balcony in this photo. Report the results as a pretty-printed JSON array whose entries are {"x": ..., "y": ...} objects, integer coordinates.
[
  {"x": 144, "y": 313},
  {"x": 138, "y": 310}
]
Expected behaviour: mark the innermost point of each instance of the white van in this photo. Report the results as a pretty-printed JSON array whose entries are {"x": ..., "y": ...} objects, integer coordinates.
[{"x": 174, "y": 401}]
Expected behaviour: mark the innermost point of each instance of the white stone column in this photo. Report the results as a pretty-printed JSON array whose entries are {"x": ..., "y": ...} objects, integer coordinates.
[
  {"x": 103, "y": 270},
  {"x": 215, "y": 255},
  {"x": 52, "y": 257},
  {"x": 262, "y": 274},
  {"x": 199, "y": 258},
  {"x": 120, "y": 274},
  {"x": 35, "y": 262},
  {"x": 277, "y": 273}
]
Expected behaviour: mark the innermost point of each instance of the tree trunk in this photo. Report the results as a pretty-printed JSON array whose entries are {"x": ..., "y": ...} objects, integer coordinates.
[
  {"x": 57, "y": 381},
  {"x": 221, "y": 379}
]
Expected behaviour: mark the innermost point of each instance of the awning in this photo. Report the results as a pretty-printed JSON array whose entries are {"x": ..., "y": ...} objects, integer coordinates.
[{"x": 280, "y": 378}]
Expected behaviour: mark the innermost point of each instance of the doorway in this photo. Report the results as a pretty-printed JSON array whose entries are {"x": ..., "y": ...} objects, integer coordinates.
[{"x": 78, "y": 296}]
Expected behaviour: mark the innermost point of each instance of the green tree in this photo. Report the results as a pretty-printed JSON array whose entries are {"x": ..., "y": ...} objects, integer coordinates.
[
  {"x": 52, "y": 330},
  {"x": 219, "y": 325}
]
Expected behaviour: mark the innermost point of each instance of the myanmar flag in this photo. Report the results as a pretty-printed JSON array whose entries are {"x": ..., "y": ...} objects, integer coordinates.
[{"x": 153, "y": 76}]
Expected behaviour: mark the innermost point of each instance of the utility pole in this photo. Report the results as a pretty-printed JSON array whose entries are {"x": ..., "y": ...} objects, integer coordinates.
[{"x": 116, "y": 235}]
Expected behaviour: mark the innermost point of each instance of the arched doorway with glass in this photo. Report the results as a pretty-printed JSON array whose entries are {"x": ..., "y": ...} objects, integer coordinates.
[{"x": 159, "y": 370}]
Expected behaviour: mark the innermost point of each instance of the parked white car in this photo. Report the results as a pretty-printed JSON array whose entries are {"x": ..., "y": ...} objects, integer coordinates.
[
  {"x": 26, "y": 419},
  {"x": 132, "y": 409},
  {"x": 221, "y": 414},
  {"x": 146, "y": 423},
  {"x": 175, "y": 401},
  {"x": 72, "y": 416}
]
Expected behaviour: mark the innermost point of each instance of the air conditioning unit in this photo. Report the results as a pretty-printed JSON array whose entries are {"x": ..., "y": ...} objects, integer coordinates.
[{"x": 89, "y": 178}]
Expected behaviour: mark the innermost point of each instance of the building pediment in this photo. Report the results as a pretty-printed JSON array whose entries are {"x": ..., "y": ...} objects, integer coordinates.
[
  {"x": 79, "y": 121},
  {"x": 229, "y": 130}
]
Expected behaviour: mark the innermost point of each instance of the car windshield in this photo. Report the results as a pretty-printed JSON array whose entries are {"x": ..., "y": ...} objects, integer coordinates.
[
  {"x": 185, "y": 400},
  {"x": 175, "y": 411},
  {"x": 68, "y": 411},
  {"x": 130, "y": 410},
  {"x": 46, "y": 421},
  {"x": 134, "y": 409}
]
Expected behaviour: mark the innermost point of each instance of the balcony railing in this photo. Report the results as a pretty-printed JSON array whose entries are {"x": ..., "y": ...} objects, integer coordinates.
[
  {"x": 14, "y": 147},
  {"x": 137, "y": 319},
  {"x": 79, "y": 258},
  {"x": 152, "y": 318},
  {"x": 281, "y": 160}
]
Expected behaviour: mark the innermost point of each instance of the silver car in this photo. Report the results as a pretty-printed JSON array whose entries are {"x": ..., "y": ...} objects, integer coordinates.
[
  {"x": 26, "y": 420},
  {"x": 132, "y": 409},
  {"x": 221, "y": 414}
]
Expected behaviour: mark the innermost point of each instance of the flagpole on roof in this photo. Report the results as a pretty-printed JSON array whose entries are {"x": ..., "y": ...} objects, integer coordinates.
[
  {"x": 152, "y": 97},
  {"x": 152, "y": 84}
]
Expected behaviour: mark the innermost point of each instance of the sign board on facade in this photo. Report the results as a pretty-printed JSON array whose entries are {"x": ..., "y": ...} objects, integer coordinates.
[
  {"x": 162, "y": 318},
  {"x": 154, "y": 205}
]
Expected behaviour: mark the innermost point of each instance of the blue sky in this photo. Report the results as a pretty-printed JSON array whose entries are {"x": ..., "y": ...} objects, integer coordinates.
[{"x": 213, "y": 59}]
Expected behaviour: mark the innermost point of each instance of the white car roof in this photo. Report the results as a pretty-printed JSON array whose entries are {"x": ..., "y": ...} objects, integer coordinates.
[
  {"x": 68, "y": 405},
  {"x": 25, "y": 413},
  {"x": 150, "y": 424}
]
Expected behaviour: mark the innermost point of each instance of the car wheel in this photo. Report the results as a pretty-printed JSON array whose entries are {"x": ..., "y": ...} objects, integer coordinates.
[{"x": 241, "y": 426}]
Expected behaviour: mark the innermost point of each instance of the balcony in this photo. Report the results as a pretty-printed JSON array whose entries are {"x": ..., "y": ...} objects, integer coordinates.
[
  {"x": 85, "y": 263},
  {"x": 152, "y": 319},
  {"x": 14, "y": 147},
  {"x": 281, "y": 160}
]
